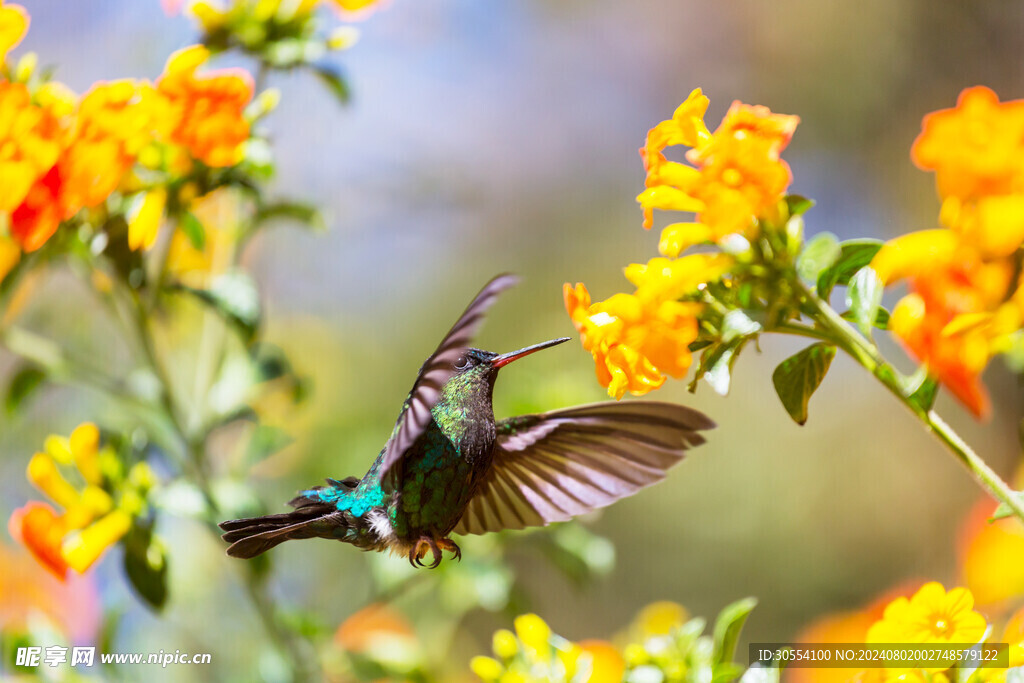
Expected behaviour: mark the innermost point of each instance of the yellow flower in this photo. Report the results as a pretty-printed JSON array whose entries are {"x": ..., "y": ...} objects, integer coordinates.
[
  {"x": 635, "y": 341},
  {"x": 504, "y": 644},
  {"x": 208, "y": 108},
  {"x": 931, "y": 616},
  {"x": 737, "y": 173},
  {"x": 659, "y": 618},
  {"x": 10, "y": 254},
  {"x": 992, "y": 556},
  {"x": 355, "y": 10},
  {"x": 90, "y": 522},
  {"x": 486, "y": 668},
  {"x": 81, "y": 550},
  {"x": 606, "y": 663},
  {"x": 14, "y": 22},
  {"x": 661, "y": 278},
  {"x": 144, "y": 226},
  {"x": 534, "y": 634}
]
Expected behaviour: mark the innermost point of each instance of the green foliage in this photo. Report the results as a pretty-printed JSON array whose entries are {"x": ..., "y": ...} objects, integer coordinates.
[
  {"x": 819, "y": 255},
  {"x": 145, "y": 564},
  {"x": 798, "y": 377},
  {"x": 23, "y": 383},
  {"x": 854, "y": 255},
  {"x": 864, "y": 298}
]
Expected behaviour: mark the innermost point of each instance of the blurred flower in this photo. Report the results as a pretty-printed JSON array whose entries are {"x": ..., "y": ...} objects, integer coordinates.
[
  {"x": 208, "y": 108},
  {"x": 849, "y": 626},
  {"x": 218, "y": 214},
  {"x": 14, "y": 22},
  {"x": 144, "y": 224},
  {"x": 25, "y": 592},
  {"x": 736, "y": 176},
  {"x": 992, "y": 556},
  {"x": 354, "y": 10},
  {"x": 10, "y": 254},
  {"x": 975, "y": 148},
  {"x": 375, "y": 622},
  {"x": 29, "y": 143},
  {"x": 965, "y": 300},
  {"x": 91, "y": 522},
  {"x": 931, "y": 615}
]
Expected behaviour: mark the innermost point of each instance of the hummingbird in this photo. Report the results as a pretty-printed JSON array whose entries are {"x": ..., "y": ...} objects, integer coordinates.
[{"x": 450, "y": 467}]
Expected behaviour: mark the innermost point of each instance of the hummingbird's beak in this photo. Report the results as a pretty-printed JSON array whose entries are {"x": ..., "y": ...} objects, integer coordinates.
[{"x": 506, "y": 358}]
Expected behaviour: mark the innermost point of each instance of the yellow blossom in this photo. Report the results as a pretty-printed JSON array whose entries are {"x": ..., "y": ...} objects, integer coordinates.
[
  {"x": 931, "y": 615},
  {"x": 144, "y": 226}
]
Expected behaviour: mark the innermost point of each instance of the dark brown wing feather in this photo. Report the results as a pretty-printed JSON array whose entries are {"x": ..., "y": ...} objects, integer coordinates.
[
  {"x": 554, "y": 466},
  {"x": 437, "y": 370}
]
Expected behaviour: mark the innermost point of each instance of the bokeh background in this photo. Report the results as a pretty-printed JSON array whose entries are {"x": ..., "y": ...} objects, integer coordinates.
[{"x": 490, "y": 136}]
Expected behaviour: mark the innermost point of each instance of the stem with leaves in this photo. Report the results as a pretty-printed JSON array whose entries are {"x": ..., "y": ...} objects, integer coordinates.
[{"x": 831, "y": 327}]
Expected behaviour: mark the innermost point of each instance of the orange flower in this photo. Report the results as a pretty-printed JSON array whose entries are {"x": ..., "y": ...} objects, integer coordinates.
[
  {"x": 956, "y": 315},
  {"x": 41, "y": 530},
  {"x": 992, "y": 556},
  {"x": 209, "y": 108},
  {"x": 28, "y": 144},
  {"x": 736, "y": 175},
  {"x": 975, "y": 148},
  {"x": 635, "y": 341},
  {"x": 14, "y": 22},
  {"x": 91, "y": 521},
  {"x": 72, "y": 606}
]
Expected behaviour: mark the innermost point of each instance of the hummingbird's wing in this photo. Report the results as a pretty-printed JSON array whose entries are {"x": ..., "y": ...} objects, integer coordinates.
[
  {"x": 436, "y": 371},
  {"x": 554, "y": 466}
]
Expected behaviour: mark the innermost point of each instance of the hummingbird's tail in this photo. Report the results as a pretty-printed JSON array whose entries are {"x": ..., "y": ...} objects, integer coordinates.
[
  {"x": 316, "y": 515},
  {"x": 256, "y": 535}
]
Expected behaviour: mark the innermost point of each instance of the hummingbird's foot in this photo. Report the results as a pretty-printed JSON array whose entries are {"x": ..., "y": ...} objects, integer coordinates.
[
  {"x": 449, "y": 544},
  {"x": 419, "y": 551}
]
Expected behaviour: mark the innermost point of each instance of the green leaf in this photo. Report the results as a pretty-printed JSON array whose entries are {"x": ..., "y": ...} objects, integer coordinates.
[
  {"x": 881, "y": 318},
  {"x": 234, "y": 296},
  {"x": 820, "y": 253},
  {"x": 193, "y": 229},
  {"x": 854, "y": 255},
  {"x": 307, "y": 214},
  {"x": 335, "y": 82},
  {"x": 1004, "y": 510},
  {"x": 145, "y": 564},
  {"x": 798, "y": 205},
  {"x": 864, "y": 297},
  {"x": 24, "y": 383},
  {"x": 797, "y": 378},
  {"x": 924, "y": 395},
  {"x": 265, "y": 441},
  {"x": 728, "y": 626}
]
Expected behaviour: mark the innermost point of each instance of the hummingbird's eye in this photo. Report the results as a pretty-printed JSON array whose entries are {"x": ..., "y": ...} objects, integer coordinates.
[{"x": 461, "y": 363}]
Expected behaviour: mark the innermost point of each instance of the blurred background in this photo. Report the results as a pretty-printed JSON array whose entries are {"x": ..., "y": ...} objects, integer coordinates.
[{"x": 502, "y": 136}]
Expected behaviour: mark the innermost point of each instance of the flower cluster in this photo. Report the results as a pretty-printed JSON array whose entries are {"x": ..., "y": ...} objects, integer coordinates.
[
  {"x": 95, "y": 514},
  {"x": 534, "y": 653},
  {"x": 64, "y": 153},
  {"x": 928, "y": 615},
  {"x": 965, "y": 302},
  {"x": 662, "y": 644},
  {"x": 737, "y": 177},
  {"x": 737, "y": 174}
]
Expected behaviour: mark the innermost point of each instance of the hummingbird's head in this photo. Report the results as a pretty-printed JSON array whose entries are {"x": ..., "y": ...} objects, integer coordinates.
[{"x": 486, "y": 363}]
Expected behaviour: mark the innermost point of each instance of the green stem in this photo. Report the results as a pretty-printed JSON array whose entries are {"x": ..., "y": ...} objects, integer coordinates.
[
  {"x": 195, "y": 447},
  {"x": 866, "y": 353}
]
